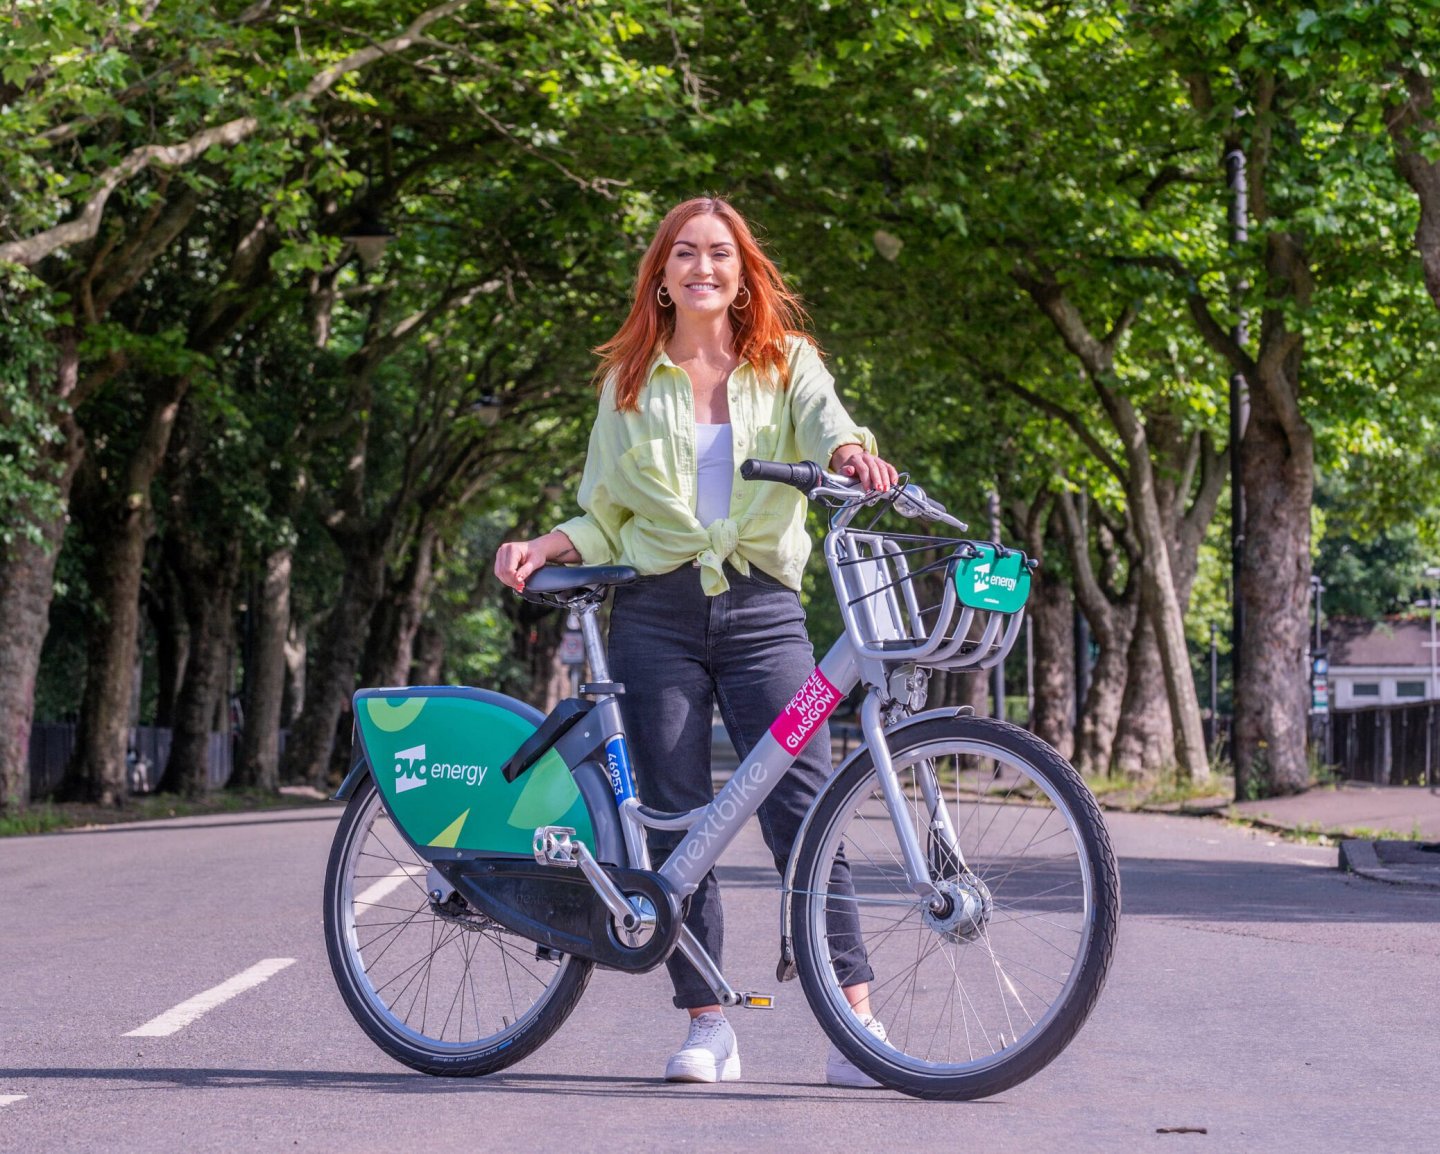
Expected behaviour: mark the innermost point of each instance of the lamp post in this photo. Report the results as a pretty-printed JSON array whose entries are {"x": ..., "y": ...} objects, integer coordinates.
[
  {"x": 1319, "y": 679},
  {"x": 1214, "y": 690},
  {"x": 1432, "y": 573},
  {"x": 997, "y": 676},
  {"x": 369, "y": 238},
  {"x": 1239, "y": 221},
  {"x": 1317, "y": 587},
  {"x": 486, "y": 410}
]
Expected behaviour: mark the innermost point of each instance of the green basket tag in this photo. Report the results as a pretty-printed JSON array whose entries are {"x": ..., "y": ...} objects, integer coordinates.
[{"x": 999, "y": 584}]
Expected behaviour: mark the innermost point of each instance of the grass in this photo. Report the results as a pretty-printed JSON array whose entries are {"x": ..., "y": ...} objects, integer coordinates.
[
  {"x": 1166, "y": 790},
  {"x": 1313, "y": 833},
  {"x": 51, "y": 817}
]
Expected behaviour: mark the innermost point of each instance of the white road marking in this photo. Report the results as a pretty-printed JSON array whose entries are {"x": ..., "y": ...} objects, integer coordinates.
[
  {"x": 187, "y": 1011},
  {"x": 387, "y": 885},
  {"x": 7, "y": 1099}
]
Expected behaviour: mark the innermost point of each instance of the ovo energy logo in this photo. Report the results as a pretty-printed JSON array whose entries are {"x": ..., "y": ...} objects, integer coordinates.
[
  {"x": 984, "y": 579},
  {"x": 412, "y": 775},
  {"x": 411, "y": 772}
]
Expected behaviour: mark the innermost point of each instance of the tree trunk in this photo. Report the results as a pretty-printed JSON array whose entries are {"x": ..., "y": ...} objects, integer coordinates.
[
  {"x": 119, "y": 523},
  {"x": 1277, "y": 469},
  {"x": 1052, "y": 617},
  {"x": 536, "y": 643},
  {"x": 27, "y": 582},
  {"x": 1410, "y": 122},
  {"x": 1159, "y": 601},
  {"x": 297, "y": 659},
  {"x": 1100, "y": 714},
  {"x": 391, "y": 649},
  {"x": 209, "y": 602},
  {"x": 429, "y": 655},
  {"x": 97, "y": 770},
  {"x": 27, "y": 587},
  {"x": 973, "y": 689},
  {"x": 258, "y": 766},
  {"x": 1052, "y": 614},
  {"x": 331, "y": 678},
  {"x": 1145, "y": 738},
  {"x": 1112, "y": 621},
  {"x": 172, "y": 640},
  {"x": 960, "y": 688}
]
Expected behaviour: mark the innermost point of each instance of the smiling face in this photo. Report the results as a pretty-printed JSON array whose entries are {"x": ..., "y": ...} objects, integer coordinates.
[{"x": 703, "y": 272}]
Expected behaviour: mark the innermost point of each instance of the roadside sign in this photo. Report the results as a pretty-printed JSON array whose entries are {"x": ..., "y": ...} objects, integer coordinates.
[
  {"x": 572, "y": 647},
  {"x": 1320, "y": 694}
]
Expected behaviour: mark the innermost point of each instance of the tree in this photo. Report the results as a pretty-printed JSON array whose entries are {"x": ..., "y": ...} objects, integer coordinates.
[{"x": 99, "y": 194}]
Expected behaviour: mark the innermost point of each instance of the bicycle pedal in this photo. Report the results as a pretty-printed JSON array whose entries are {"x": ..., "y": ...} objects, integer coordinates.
[
  {"x": 757, "y": 1001},
  {"x": 553, "y": 847}
]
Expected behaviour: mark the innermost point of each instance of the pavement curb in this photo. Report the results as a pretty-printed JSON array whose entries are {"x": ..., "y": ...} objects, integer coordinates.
[{"x": 1362, "y": 857}]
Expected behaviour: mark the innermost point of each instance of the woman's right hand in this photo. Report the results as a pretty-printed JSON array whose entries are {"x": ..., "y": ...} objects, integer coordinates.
[{"x": 516, "y": 560}]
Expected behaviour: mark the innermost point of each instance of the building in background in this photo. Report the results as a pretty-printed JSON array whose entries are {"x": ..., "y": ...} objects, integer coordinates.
[{"x": 1388, "y": 662}]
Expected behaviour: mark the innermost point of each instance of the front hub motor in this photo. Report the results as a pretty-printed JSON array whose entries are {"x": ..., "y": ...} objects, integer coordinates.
[{"x": 964, "y": 909}]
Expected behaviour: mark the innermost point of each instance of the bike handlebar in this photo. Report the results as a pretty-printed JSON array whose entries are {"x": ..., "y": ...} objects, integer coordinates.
[
  {"x": 805, "y": 475},
  {"x": 810, "y": 479}
]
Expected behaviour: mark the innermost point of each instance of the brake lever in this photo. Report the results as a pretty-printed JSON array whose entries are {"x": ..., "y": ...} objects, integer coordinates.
[{"x": 911, "y": 501}]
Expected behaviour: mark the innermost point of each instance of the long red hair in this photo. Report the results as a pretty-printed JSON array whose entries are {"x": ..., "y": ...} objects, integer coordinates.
[{"x": 761, "y": 328}]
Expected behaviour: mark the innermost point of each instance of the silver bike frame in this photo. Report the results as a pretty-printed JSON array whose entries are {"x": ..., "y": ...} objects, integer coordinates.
[{"x": 711, "y": 828}]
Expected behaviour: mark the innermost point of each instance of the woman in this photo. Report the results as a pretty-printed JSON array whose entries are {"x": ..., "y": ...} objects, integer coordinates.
[{"x": 710, "y": 368}]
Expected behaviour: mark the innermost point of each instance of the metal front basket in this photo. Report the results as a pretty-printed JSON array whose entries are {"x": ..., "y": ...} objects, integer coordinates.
[{"x": 897, "y": 596}]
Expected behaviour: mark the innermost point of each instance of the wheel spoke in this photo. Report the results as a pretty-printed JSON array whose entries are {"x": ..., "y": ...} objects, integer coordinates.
[
  {"x": 437, "y": 982},
  {"x": 971, "y": 990}
]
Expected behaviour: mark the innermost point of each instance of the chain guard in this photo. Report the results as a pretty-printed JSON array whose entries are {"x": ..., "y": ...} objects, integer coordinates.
[{"x": 560, "y": 910}]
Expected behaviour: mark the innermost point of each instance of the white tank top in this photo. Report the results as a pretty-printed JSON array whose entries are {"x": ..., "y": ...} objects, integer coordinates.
[{"x": 715, "y": 472}]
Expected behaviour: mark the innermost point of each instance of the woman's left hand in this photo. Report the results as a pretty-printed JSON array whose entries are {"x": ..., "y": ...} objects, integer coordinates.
[{"x": 871, "y": 471}]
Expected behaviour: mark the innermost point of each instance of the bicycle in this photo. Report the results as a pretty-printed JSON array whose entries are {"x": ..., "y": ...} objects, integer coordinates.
[{"x": 472, "y": 889}]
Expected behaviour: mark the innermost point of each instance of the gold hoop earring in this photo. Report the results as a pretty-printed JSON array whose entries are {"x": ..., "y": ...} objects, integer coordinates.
[
  {"x": 662, "y": 294},
  {"x": 735, "y": 304}
]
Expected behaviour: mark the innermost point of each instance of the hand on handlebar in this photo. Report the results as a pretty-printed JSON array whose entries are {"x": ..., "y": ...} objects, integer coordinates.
[{"x": 869, "y": 471}]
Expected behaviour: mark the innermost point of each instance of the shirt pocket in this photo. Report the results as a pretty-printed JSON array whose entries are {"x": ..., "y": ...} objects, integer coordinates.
[
  {"x": 650, "y": 459},
  {"x": 765, "y": 443},
  {"x": 646, "y": 481}
]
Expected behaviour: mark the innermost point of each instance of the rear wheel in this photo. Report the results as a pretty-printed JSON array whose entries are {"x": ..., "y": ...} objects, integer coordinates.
[
  {"x": 438, "y": 987},
  {"x": 985, "y": 990}
]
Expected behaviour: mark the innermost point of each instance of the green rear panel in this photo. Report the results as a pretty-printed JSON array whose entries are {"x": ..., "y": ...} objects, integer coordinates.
[{"x": 437, "y": 754}]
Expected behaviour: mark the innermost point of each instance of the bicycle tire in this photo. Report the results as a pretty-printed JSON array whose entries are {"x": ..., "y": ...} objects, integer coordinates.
[
  {"x": 441, "y": 989},
  {"x": 978, "y": 1004}
]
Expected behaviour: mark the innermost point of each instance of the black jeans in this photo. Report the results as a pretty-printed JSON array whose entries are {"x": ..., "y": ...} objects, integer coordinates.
[{"x": 678, "y": 652}]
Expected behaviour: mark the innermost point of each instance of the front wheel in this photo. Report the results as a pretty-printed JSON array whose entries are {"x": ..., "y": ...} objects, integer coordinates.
[
  {"x": 437, "y": 986},
  {"x": 983, "y": 985}
]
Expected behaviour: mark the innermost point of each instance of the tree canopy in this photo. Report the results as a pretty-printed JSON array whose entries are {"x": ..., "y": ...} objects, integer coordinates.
[{"x": 1012, "y": 223}]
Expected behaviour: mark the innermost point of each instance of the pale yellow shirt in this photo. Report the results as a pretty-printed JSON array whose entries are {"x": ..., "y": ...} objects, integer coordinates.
[{"x": 638, "y": 488}]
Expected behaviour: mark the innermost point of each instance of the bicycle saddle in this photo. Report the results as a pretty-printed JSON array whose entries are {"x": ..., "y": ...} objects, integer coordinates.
[{"x": 562, "y": 578}]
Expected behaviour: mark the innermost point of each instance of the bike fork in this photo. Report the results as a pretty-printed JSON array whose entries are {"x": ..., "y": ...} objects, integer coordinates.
[{"x": 917, "y": 869}]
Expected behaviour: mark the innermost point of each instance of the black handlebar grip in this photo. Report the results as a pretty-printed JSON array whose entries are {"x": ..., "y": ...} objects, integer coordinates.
[{"x": 804, "y": 476}]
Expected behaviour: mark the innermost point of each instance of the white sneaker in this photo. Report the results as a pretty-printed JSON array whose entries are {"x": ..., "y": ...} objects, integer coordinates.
[
  {"x": 840, "y": 1071},
  {"x": 710, "y": 1053}
]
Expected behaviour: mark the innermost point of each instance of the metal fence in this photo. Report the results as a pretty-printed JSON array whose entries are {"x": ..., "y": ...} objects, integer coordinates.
[
  {"x": 53, "y": 744},
  {"x": 1387, "y": 744}
]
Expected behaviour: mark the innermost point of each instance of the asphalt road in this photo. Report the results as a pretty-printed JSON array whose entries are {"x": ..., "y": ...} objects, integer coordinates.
[{"x": 1258, "y": 994}]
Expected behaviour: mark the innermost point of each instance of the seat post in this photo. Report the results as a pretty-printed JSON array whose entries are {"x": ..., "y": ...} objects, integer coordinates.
[{"x": 589, "y": 614}]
